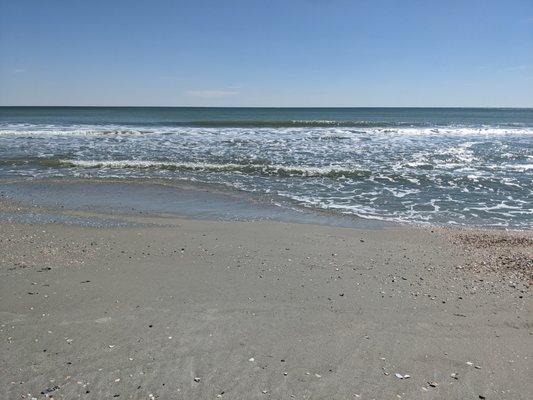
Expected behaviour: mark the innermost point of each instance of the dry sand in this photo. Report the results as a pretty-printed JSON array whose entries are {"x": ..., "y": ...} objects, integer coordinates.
[{"x": 202, "y": 309}]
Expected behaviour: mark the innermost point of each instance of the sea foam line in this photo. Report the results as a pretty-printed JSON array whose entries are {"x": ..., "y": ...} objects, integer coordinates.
[
  {"x": 267, "y": 169},
  {"x": 119, "y": 130}
]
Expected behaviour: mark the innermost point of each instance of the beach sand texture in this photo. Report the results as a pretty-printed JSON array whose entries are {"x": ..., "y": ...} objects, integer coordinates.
[{"x": 199, "y": 309}]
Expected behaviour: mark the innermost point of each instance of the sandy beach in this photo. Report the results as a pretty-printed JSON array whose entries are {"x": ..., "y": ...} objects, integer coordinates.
[
  {"x": 266, "y": 200},
  {"x": 166, "y": 307}
]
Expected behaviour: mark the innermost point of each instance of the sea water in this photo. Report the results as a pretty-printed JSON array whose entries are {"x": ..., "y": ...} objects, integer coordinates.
[{"x": 459, "y": 166}]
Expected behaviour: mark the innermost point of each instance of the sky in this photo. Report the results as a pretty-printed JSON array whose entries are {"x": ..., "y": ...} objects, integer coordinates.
[{"x": 307, "y": 53}]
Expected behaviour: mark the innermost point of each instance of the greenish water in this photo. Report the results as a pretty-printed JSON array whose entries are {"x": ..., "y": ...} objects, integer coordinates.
[{"x": 207, "y": 116}]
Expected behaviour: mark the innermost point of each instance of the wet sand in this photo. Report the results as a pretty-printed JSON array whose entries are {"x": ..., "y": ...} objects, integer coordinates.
[{"x": 124, "y": 305}]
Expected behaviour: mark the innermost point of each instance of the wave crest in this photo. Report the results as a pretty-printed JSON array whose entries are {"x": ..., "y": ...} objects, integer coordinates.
[{"x": 264, "y": 169}]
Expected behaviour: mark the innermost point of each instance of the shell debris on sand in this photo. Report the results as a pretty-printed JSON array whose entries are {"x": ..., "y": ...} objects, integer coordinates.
[{"x": 400, "y": 376}]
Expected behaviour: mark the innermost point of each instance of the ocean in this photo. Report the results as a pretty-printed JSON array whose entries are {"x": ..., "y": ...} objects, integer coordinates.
[{"x": 442, "y": 166}]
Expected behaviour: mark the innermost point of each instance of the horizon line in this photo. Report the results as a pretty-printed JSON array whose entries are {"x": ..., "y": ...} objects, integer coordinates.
[{"x": 274, "y": 107}]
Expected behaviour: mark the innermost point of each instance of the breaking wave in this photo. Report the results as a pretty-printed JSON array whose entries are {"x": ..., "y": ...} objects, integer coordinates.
[
  {"x": 340, "y": 128},
  {"x": 263, "y": 169},
  {"x": 469, "y": 167}
]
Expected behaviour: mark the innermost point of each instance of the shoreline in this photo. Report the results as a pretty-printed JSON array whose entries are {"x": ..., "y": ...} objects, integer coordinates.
[
  {"x": 217, "y": 202},
  {"x": 160, "y": 198},
  {"x": 155, "y": 305}
]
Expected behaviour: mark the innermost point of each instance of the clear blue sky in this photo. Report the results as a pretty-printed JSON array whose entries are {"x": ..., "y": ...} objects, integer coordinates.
[{"x": 267, "y": 53}]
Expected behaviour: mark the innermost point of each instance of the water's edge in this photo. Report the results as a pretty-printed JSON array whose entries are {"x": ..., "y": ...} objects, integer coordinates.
[
  {"x": 456, "y": 167},
  {"x": 113, "y": 201}
]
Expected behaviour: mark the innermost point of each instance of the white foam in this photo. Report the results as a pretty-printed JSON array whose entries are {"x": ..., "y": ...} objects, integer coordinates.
[
  {"x": 203, "y": 166},
  {"x": 323, "y": 132},
  {"x": 371, "y": 172}
]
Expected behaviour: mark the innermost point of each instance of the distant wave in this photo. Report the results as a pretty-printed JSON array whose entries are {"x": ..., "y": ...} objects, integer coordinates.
[
  {"x": 319, "y": 123},
  {"x": 267, "y": 123},
  {"x": 345, "y": 129},
  {"x": 296, "y": 123},
  {"x": 71, "y": 130}
]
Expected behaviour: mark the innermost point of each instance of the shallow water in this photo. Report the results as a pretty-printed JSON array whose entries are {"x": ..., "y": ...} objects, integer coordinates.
[{"x": 469, "y": 167}]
